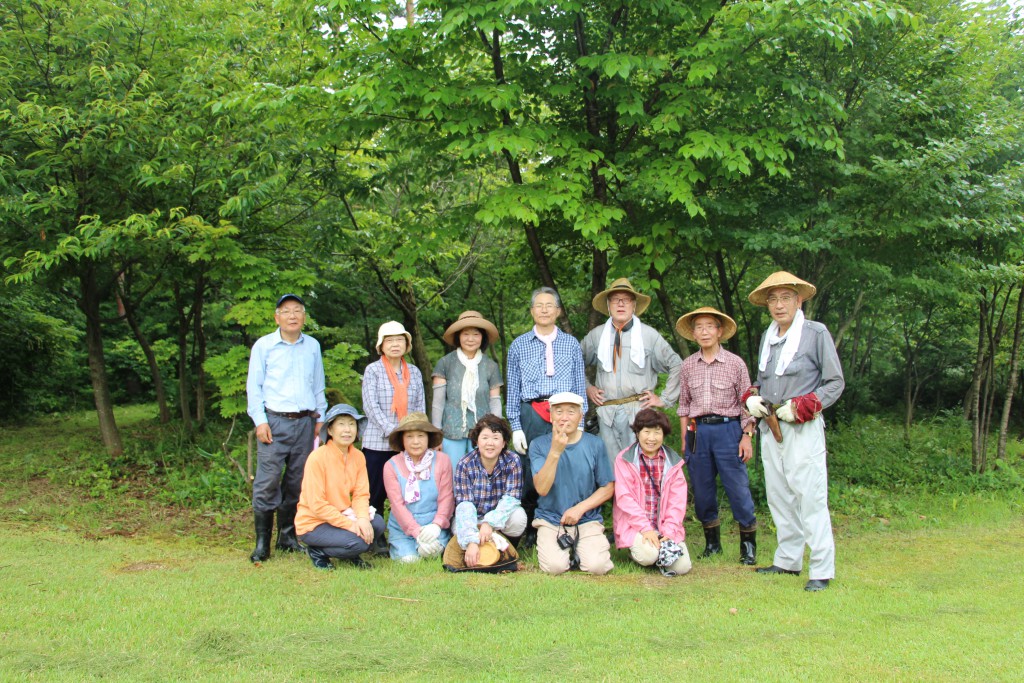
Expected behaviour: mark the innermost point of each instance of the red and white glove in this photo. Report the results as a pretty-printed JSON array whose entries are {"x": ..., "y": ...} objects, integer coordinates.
[{"x": 800, "y": 409}]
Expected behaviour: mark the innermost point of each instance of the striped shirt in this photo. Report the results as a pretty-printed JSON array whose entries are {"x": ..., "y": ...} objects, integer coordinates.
[
  {"x": 525, "y": 372},
  {"x": 714, "y": 388},
  {"x": 651, "y": 471}
]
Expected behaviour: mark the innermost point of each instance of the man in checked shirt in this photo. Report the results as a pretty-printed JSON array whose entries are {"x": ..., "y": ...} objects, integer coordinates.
[{"x": 711, "y": 386}]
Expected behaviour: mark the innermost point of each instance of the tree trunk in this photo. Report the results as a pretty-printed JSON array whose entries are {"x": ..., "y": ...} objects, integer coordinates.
[
  {"x": 419, "y": 351},
  {"x": 147, "y": 350},
  {"x": 669, "y": 312},
  {"x": 90, "y": 307},
  {"x": 183, "y": 370},
  {"x": 199, "y": 340},
  {"x": 728, "y": 305},
  {"x": 1011, "y": 384},
  {"x": 598, "y": 276}
]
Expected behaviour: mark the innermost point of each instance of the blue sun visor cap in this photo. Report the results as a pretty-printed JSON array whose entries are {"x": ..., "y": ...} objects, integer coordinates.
[
  {"x": 285, "y": 297},
  {"x": 337, "y": 411}
]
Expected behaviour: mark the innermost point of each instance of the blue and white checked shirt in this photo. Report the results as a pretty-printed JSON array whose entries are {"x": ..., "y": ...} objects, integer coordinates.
[
  {"x": 286, "y": 378},
  {"x": 525, "y": 370},
  {"x": 377, "y": 396}
]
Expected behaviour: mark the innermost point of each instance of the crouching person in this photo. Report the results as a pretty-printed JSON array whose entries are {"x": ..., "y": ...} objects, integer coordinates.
[
  {"x": 334, "y": 518},
  {"x": 650, "y": 498},
  {"x": 574, "y": 478},
  {"x": 488, "y": 488},
  {"x": 419, "y": 484}
]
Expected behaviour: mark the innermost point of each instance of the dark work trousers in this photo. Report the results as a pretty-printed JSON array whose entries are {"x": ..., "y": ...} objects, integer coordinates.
[
  {"x": 716, "y": 453},
  {"x": 341, "y": 543},
  {"x": 375, "y": 461},
  {"x": 533, "y": 426},
  {"x": 292, "y": 444}
]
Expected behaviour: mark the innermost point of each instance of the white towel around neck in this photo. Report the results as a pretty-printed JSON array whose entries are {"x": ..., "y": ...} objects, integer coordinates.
[
  {"x": 792, "y": 338},
  {"x": 607, "y": 341}
]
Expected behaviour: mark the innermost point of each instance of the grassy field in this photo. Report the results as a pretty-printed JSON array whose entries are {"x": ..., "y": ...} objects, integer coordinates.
[{"x": 116, "y": 585}]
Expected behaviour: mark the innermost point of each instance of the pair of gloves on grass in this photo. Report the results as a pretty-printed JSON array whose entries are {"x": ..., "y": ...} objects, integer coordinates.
[
  {"x": 427, "y": 543},
  {"x": 796, "y": 410}
]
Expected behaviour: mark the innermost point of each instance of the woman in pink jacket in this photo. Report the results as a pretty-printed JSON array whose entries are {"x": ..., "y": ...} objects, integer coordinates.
[{"x": 650, "y": 498}]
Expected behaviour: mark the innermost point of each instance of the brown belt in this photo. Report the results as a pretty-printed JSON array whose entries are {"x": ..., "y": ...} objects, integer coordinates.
[
  {"x": 294, "y": 416},
  {"x": 620, "y": 401}
]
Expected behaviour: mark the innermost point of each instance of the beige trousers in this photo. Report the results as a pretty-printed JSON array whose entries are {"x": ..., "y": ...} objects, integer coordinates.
[{"x": 593, "y": 548}]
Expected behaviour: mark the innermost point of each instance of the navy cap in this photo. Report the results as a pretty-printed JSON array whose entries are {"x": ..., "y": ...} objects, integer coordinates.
[{"x": 290, "y": 296}]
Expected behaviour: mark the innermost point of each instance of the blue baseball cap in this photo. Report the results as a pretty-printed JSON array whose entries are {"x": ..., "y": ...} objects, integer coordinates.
[{"x": 285, "y": 297}]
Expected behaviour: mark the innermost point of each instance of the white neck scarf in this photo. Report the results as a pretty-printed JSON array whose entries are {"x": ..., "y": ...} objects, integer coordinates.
[
  {"x": 416, "y": 472},
  {"x": 792, "y": 338},
  {"x": 607, "y": 342},
  {"x": 549, "y": 354},
  {"x": 470, "y": 384}
]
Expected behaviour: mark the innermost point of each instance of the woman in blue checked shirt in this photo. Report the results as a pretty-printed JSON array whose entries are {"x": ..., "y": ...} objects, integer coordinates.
[{"x": 488, "y": 486}]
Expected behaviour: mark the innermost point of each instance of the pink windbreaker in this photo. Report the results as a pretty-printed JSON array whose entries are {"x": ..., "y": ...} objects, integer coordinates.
[{"x": 628, "y": 515}]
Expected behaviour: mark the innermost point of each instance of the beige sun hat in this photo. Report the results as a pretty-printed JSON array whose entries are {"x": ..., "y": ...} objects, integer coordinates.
[
  {"x": 600, "y": 302},
  {"x": 684, "y": 326},
  {"x": 470, "y": 319},
  {"x": 759, "y": 297},
  {"x": 393, "y": 328},
  {"x": 414, "y": 422}
]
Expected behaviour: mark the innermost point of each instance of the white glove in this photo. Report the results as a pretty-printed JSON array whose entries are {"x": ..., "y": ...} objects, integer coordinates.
[
  {"x": 519, "y": 441},
  {"x": 756, "y": 406},
  {"x": 785, "y": 412},
  {"x": 429, "y": 549},
  {"x": 428, "y": 533}
]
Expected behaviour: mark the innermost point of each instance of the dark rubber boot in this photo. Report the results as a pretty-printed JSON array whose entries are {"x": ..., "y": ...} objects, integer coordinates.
[
  {"x": 712, "y": 542},
  {"x": 319, "y": 558},
  {"x": 286, "y": 541},
  {"x": 748, "y": 548},
  {"x": 264, "y": 522}
]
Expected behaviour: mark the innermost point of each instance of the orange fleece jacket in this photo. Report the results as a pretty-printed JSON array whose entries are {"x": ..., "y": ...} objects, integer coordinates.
[{"x": 333, "y": 481}]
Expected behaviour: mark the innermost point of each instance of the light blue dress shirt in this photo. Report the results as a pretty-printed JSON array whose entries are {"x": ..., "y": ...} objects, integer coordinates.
[{"x": 284, "y": 377}]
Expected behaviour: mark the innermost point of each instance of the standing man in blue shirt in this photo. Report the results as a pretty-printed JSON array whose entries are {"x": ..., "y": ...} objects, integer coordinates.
[
  {"x": 542, "y": 362},
  {"x": 286, "y": 401}
]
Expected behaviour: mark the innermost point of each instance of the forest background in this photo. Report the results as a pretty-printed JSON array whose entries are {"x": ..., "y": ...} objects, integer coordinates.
[{"x": 168, "y": 169}]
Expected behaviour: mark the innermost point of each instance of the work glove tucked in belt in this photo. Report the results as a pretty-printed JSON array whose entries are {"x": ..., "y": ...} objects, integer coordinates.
[{"x": 799, "y": 409}]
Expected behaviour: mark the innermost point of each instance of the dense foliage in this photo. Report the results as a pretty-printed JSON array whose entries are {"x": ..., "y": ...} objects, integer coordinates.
[{"x": 167, "y": 169}]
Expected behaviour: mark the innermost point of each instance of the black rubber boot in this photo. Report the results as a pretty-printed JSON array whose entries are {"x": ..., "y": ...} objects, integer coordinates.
[
  {"x": 748, "y": 548},
  {"x": 319, "y": 558},
  {"x": 712, "y": 541},
  {"x": 264, "y": 522},
  {"x": 380, "y": 546},
  {"x": 286, "y": 541}
]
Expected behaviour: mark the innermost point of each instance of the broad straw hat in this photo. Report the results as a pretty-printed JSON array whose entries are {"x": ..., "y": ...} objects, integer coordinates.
[
  {"x": 391, "y": 329},
  {"x": 759, "y": 297},
  {"x": 600, "y": 301},
  {"x": 414, "y": 422},
  {"x": 684, "y": 326},
  {"x": 469, "y": 319}
]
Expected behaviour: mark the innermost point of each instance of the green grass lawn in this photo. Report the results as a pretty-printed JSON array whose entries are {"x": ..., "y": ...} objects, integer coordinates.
[{"x": 119, "y": 587}]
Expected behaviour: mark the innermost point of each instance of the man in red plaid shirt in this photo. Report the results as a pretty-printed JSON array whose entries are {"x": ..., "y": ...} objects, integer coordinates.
[{"x": 712, "y": 383}]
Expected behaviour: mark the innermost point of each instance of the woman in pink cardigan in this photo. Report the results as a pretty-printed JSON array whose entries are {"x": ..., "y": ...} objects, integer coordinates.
[
  {"x": 419, "y": 484},
  {"x": 650, "y": 498}
]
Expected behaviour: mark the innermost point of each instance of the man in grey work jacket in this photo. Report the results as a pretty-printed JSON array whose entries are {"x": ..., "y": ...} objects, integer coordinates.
[
  {"x": 798, "y": 376},
  {"x": 286, "y": 402}
]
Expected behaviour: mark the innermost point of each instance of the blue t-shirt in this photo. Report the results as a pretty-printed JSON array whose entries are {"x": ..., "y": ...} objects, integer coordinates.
[{"x": 583, "y": 468}]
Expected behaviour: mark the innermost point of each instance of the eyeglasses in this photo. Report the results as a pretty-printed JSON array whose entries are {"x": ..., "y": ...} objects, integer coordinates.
[
  {"x": 620, "y": 300},
  {"x": 286, "y": 313},
  {"x": 785, "y": 299},
  {"x": 705, "y": 328}
]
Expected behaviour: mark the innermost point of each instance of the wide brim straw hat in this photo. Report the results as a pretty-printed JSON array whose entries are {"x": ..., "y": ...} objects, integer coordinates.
[
  {"x": 600, "y": 302},
  {"x": 759, "y": 297},
  {"x": 684, "y": 326},
  {"x": 414, "y": 422},
  {"x": 469, "y": 319},
  {"x": 337, "y": 411},
  {"x": 393, "y": 328}
]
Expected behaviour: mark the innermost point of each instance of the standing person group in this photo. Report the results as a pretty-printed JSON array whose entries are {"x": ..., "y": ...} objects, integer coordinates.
[{"x": 456, "y": 486}]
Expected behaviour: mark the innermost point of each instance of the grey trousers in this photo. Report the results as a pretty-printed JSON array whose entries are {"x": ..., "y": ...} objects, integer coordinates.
[
  {"x": 340, "y": 543},
  {"x": 292, "y": 444}
]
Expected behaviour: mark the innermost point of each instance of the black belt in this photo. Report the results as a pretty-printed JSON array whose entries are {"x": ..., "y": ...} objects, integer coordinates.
[
  {"x": 715, "y": 419},
  {"x": 293, "y": 416}
]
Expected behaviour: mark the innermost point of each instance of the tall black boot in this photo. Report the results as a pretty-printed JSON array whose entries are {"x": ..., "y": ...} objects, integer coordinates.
[
  {"x": 286, "y": 540},
  {"x": 748, "y": 547},
  {"x": 712, "y": 541},
  {"x": 264, "y": 522}
]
